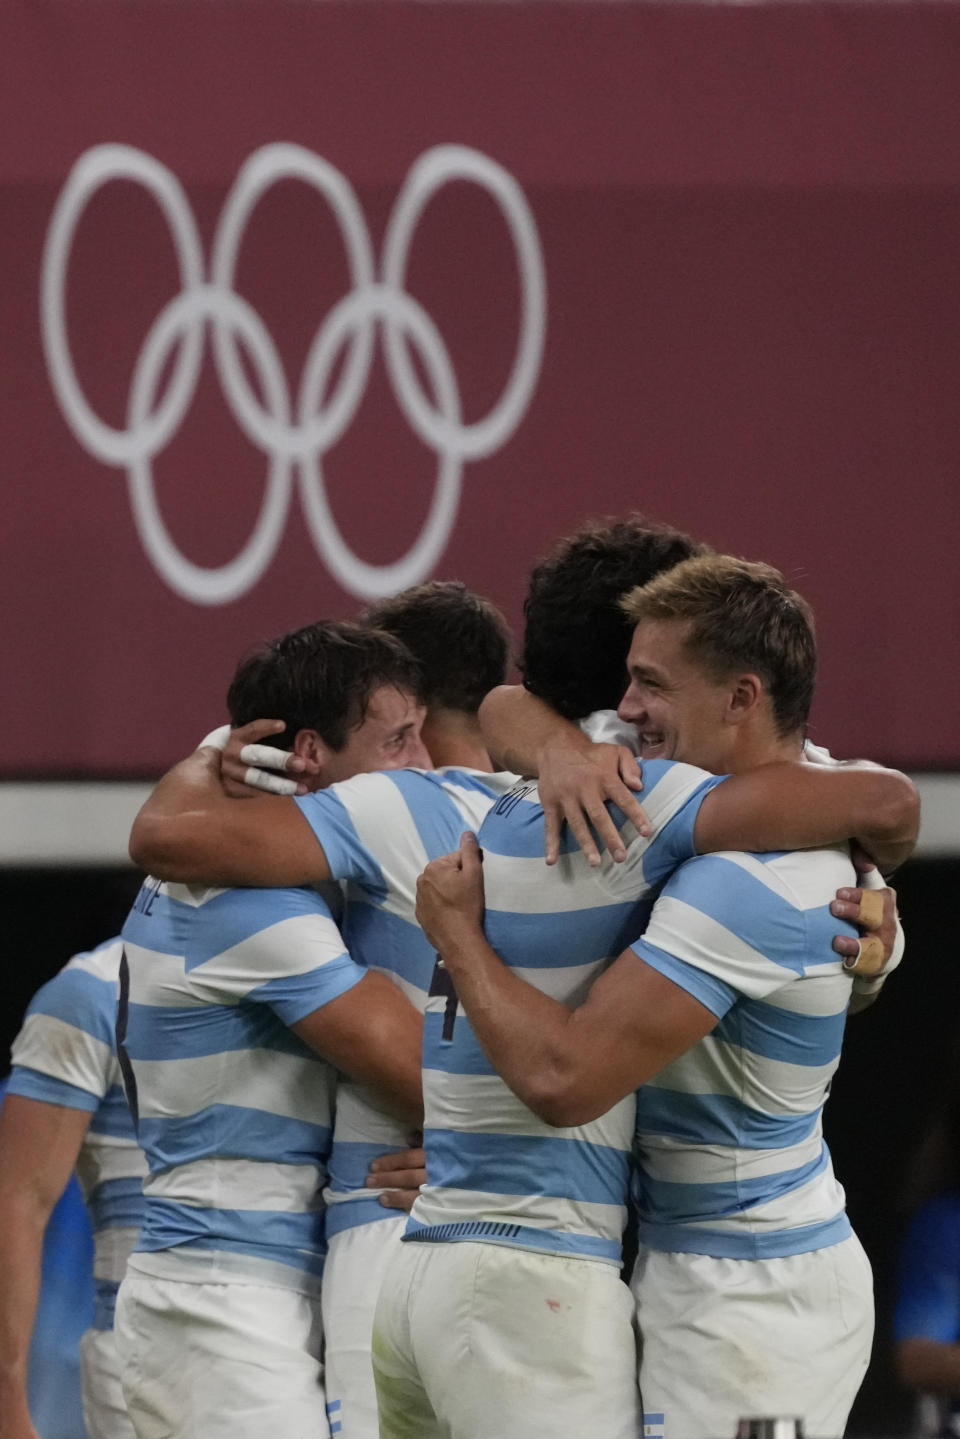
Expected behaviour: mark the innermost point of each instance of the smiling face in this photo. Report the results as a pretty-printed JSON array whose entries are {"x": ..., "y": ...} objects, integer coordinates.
[
  {"x": 680, "y": 710},
  {"x": 388, "y": 737}
]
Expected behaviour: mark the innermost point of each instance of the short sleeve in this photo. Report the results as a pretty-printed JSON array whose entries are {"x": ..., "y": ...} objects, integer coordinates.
[
  {"x": 671, "y": 797},
  {"x": 343, "y": 819},
  {"x": 278, "y": 947},
  {"x": 715, "y": 929},
  {"x": 64, "y": 1053}
]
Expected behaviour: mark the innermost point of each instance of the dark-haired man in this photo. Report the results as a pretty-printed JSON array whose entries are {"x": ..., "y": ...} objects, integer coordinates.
[
  {"x": 753, "y": 1294},
  {"x": 235, "y": 1006},
  {"x": 462, "y": 644},
  {"x": 372, "y": 829},
  {"x": 380, "y": 832}
]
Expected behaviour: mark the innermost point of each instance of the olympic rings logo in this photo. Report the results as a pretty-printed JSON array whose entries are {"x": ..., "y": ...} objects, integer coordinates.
[{"x": 294, "y": 436}]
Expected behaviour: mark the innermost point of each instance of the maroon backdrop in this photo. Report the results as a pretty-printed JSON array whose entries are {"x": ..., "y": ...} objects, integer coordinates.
[{"x": 749, "y": 221}]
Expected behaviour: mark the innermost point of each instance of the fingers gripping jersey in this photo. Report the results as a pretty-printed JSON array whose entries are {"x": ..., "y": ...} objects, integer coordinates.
[
  {"x": 64, "y": 1055},
  {"x": 378, "y": 831},
  {"x": 234, "y": 1110},
  {"x": 732, "y": 1161},
  {"x": 497, "y": 1172}
]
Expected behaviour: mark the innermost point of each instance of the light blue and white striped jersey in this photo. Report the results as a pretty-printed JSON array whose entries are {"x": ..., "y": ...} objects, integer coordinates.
[
  {"x": 65, "y": 1055},
  {"x": 732, "y": 1161},
  {"x": 233, "y": 1110},
  {"x": 496, "y": 1172},
  {"x": 378, "y": 831}
]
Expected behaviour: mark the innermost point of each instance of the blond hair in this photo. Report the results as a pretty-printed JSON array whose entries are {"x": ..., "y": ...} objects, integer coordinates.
[{"x": 743, "y": 617}]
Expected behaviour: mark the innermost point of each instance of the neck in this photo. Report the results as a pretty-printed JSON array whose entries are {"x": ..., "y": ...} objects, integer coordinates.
[
  {"x": 763, "y": 746},
  {"x": 453, "y": 737}
]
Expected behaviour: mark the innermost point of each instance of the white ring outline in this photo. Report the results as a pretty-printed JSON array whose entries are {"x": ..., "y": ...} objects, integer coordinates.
[
  {"x": 211, "y": 585},
  {"x": 264, "y": 168},
  {"x": 92, "y": 171},
  {"x": 394, "y": 307},
  {"x": 433, "y": 170},
  {"x": 372, "y": 303}
]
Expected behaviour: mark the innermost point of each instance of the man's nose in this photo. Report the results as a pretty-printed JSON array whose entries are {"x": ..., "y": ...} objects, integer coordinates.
[
  {"x": 418, "y": 756},
  {"x": 630, "y": 708}
]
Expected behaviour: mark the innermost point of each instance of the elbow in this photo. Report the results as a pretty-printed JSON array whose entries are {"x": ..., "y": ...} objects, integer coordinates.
[
  {"x": 898, "y": 811},
  {"x": 142, "y": 844},
  {"x": 151, "y": 848},
  {"x": 560, "y": 1100}
]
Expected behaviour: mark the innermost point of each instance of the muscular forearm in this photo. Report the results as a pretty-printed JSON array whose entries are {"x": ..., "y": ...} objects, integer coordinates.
[
  {"x": 526, "y": 1035},
  {"x": 375, "y": 1035},
  {"x": 928, "y": 1364},
  {"x": 517, "y": 727},
  {"x": 23, "y": 1219},
  {"x": 797, "y": 806},
  {"x": 189, "y": 830},
  {"x": 163, "y": 837}
]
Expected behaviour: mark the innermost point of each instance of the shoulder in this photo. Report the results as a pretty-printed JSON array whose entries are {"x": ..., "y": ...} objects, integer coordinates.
[
  {"x": 85, "y": 985},
  {"x": 670, "y": 785},
  {"x": 809, "y": 878},
  {"x": 745, "y": 893}
]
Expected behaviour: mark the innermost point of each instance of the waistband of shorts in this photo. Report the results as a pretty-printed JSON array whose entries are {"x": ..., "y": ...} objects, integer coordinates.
[
  {"x": 516, "y": 1236},
  {"x": 220, "y": 1266}
]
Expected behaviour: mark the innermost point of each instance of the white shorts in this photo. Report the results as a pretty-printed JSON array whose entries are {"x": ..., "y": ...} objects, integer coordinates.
[
  {"x": 723, "y": 1339},
  {"x": 104, "y": 1410},
  {"x": 482, "y": 1341},
  {"x": 356, "y": 1261},
  {"x": 220, "y": 1360}
]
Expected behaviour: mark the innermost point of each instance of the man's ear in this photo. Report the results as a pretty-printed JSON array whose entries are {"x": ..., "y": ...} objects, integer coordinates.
[
  {"x": 308, "y": 745},
  {"x": 745, "y": 696}
]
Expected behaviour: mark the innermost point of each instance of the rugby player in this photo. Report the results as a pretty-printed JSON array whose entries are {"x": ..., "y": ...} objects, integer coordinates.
[
  {"x": 64, "y": 1109},
  {"x": 753, "y": 1295},
  {"x": 234, "y": 1007}
]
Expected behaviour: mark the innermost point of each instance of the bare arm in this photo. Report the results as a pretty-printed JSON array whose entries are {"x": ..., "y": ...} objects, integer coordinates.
[
  {"x": 567, "y": 1066},
  {"x": 800, "y": 806},
  {"x": 373, "y": 1034},
  {"x": 191, "y": 831},
  {"x": 779, "y": 806},
  {"x": 39, "y": 1144},
  {"x": 577, "y": 777}
]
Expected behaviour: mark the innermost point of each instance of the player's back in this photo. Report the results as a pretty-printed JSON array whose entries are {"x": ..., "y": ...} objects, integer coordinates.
[
  {"x": 496, "y": 1171},
  {"x": 233, "y": 1109},
  {"x": 731, "y": 1157},
  {"x": 65, "y": 1055}
]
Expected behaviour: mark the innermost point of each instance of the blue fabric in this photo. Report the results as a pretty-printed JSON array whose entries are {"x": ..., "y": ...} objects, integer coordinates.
[
  {"x": 928, "y": 1294},
  {"x": 31, "y": 1084},
  {"x": 203, "y": 932}
]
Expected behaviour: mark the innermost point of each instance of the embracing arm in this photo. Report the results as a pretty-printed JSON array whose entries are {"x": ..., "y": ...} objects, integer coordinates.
[
  {"x": 577, "y": 777},
  {"x": 373, "y": 1034},
  {"x": 567, "y": 1066},
  {"x": 39, "y": 1144},
  {"x": 778, "y": 806},
  {"x": 189, "y": 830},
  {"x": 791, "y": 805}
]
